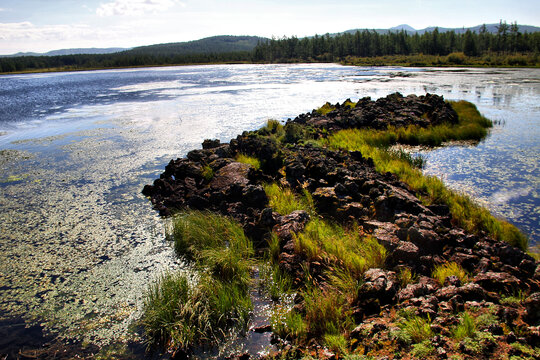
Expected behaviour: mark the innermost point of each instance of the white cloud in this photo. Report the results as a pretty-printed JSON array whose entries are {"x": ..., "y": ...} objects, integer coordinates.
[
  {"x": 28, "y": 31},
  {"x": 25, "y": 36},
  {"x": 134, "y": 7}
]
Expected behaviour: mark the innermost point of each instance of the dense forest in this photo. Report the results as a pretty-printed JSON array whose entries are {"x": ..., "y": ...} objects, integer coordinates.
[
  {"x": 506, "y": 47},
  {"x": 507, "y": 40}
]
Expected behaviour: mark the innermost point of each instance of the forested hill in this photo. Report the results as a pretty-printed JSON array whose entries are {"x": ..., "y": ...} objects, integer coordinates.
[
  {"x": 214, "y": 44},
  {"x": 509, "y": 46}
]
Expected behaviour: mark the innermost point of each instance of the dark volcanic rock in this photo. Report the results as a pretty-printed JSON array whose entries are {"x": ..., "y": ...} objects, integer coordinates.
[{"x": 502, "y": 283}]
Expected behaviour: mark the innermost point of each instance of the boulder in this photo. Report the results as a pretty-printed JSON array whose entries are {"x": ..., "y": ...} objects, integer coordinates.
[
  {"x": 234, "y": 173},
  {"x": 500, "y": 282}
]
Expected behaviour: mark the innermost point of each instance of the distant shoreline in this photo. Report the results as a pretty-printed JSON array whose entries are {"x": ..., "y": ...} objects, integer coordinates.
[{"x": 375, "y": 62}]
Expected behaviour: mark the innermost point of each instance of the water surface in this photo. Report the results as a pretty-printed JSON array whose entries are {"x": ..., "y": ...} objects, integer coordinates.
[{"x": 79, "y": 243}]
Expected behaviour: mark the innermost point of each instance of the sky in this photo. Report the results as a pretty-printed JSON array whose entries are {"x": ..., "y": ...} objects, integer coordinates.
[{"x": 44, "y": 25}]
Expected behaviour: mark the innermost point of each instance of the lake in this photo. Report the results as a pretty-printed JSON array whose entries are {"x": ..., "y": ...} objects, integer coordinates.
[{"x": 79, "y": 243}]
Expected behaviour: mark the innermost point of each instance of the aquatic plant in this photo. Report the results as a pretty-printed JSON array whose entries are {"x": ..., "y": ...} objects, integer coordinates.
[
  {"x": 288, "y": 324},
  {"x": 182, "y": 312}
]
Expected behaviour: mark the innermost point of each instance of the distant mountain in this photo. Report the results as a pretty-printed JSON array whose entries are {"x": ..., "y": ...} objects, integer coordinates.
[
  {"x": 214, "y": 44},
  {"x": 70, "y": 52},
  {"x": 492, "y": 28},
  {"x": 403, "y": 27}
]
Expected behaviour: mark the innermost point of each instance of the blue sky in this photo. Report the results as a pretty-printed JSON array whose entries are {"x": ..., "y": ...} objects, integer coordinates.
[{"x": 42, "y": 25}]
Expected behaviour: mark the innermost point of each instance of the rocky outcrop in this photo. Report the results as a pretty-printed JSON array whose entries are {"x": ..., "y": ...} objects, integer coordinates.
[
  {"x": 347, "y": 189},
  {"x": 393, "y": 110}
]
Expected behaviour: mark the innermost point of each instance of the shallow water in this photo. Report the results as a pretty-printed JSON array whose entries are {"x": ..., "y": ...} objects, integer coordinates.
[{"x": 79, "y": 243}]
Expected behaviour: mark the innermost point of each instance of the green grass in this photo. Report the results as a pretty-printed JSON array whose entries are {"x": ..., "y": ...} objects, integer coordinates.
[
  {"x": 325, "y": 109},
  {"x": 250, "y": 160},
  {"x": 327, "y": 312},
  {"x": 272, "y": 128},
  {"x": 276, "y": 282},
  {"x": 416, "y": 329},
  {"x": 466, "y": 327},
  {"x": 441, "y": 272},
  {"x": 346, "y": 248},
  {"x": 180, "y": 312},
  {"x": 431, "y": 190},
  {"x": 207, "y": 172},
  {"x": 284, "y": 200},
  {"x": 406, "y": 277},
  {"x": 195, "y": 232},
  {"x": 336, "y": 343},
  {"x": 288, "y": 324}
]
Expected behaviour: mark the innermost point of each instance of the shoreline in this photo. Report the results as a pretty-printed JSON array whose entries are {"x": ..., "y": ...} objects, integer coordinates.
[
  {"x": 340, "y": 195},
  {"x": 367, "y": 64}
]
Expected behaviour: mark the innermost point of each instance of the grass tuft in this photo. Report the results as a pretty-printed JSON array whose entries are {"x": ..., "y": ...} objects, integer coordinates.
[
  {"x": 284, "y": 201},
  {"x": 441, "y": 272},
  {"x": 465, "y": 328},
  {"x": 325, "y": 109},
  {"x": 250, "y": 160},
  {"x": 345, "y": 247},
  {"x": 416, "y": 328},
  {"x": 180, "y": 313}
]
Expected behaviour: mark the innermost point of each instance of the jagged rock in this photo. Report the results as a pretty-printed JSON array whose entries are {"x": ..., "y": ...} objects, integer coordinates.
[
  {"x": 532, "y": 305},
  {"x": 326, "y": 199},
  {"x": 380, "y": 285},
  {"x": 210, "y": 144},
  {"x": 468, "y": 292},
  {"x": 291, "y": 224},
  {"x": 503, "y": 283},
  {"x": 254, "y": 196},
  {"x": 427, "y": 240},
  {"x": 424, "y": 286},
  {"x": 452, "y": 280},
  {"x": 233, "y": 174},
  {"x": 405, "y": 253}
]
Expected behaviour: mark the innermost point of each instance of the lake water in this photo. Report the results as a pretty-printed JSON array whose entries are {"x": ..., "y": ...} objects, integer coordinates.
[{"x": 79, "y": 243}]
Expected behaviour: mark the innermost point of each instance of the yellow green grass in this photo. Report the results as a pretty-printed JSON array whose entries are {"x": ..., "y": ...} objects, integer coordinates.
[
  {"x": 180, "y": 311},
  {"x": 284, "y": 200},
  {"x": 431, "y": 190},
  {"x": 347, "y": 248},
  {"x": 441, "y": 272},
  {"x": 250, "y": 160}
]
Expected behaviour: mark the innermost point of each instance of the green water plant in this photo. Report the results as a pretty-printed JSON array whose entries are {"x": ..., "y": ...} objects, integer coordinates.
[{"x": 180, "y": 311}]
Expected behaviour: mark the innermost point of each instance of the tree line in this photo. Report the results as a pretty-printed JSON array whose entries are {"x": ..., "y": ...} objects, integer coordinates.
[
  {"x": 507, "y": 40},
  {"x": 326, "y": 48}
]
